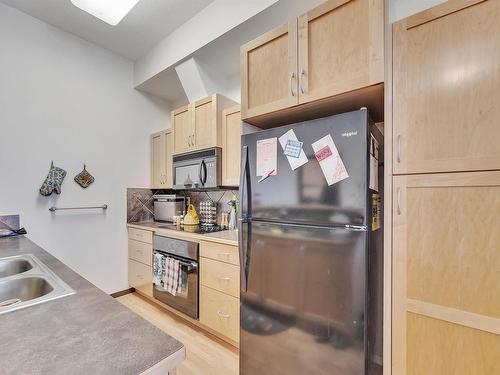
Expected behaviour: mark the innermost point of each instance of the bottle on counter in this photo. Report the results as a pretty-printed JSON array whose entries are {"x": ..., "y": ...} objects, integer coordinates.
[
  {"x": 232, "y": 214},
  {"x": 224, "y": 220}
]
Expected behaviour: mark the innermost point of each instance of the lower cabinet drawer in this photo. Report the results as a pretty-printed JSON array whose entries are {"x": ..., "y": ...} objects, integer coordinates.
[
  {"x": 220, "y": 312},
  {"x": 220, "y": 276},
  {"x": 140, "y": 235},
  {"x": 139, "y": 274},
  {"x": 140, "y": 251},
  {"x": 221, "y": 252}
]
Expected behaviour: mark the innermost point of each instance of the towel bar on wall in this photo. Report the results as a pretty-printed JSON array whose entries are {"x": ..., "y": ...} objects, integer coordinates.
[{"x": 53, "y": 208}]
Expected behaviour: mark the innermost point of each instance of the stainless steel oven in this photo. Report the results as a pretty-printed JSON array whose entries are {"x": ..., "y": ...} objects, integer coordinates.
[
  {"x": 199, "y": 169},
  {"x": 186, "y": 299}
]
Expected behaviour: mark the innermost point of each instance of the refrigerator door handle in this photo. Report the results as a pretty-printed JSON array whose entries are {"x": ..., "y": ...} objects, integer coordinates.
[
  {"x": 244, "y": 158},
  {"x": 245, "y": 196}
]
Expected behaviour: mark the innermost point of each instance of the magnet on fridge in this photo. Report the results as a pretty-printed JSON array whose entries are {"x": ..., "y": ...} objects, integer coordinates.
[
  {"x": 267, "y": 157},
  {"x": 329, "y": 160},
  {"x": 292, "y": 149}
]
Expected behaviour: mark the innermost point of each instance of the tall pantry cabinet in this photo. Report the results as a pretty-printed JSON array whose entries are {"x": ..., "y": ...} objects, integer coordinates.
[{"x": 446, "y": 190}]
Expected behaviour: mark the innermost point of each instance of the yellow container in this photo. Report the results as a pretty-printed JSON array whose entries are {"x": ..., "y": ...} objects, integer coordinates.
[{"x": 191, "y": 217}]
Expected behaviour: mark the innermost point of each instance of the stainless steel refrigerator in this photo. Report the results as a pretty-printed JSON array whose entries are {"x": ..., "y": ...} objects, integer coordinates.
[{"x": 311, "y": 255}]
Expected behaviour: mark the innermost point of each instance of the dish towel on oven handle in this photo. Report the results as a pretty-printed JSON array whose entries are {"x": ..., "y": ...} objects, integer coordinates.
[
  {"x": 171, "y": 275},
  {"x": 157, "y": 269}
]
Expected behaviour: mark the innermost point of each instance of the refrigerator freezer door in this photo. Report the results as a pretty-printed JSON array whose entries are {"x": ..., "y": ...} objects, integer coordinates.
[
  {"x": 303, "y": 196},
  {"x": 303, "y": 311}
]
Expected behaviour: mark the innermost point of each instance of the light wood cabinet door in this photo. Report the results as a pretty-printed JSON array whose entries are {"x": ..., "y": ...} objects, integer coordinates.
[
  {"x": 140, "y": 252},
  {"x": 446, "y": 89},
  {"x": 221, "y": 252},
  {"x": 204, "y": 129},
  {"x": 157, "y": 159},
  {"x": 220, "y": 312},
  {"x": 140, "y": 235},
  {"x": 220, "y": 276},
  {"x": 231, "y": 146},
  {"x": 161, "y": 159},
  {"x": 340, "y": 47},
  {"x": 139, "y": 274},
  {"x": 446, "y": 294},
  {"x": 269, "y": 72},
  {"x": 169, "y": 150},
  {"x": 183, "y": 129}
]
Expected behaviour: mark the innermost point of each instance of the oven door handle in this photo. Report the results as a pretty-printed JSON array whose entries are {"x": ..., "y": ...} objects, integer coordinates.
[{"x": 194, "y": 265}]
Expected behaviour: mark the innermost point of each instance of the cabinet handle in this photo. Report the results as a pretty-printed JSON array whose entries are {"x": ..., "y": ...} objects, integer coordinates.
[
  {"x": 222, "y": 315},
  {"x": 140, "y": 277},
  {"x": 227, "y": 255},
  {"x": 193, "y": 140},
  {"x": 224, "y": 278},
  {"x": 291, "y": 84},
  {"x": 398, "y": 198},
  {"x": 398, "y": 155},
  {"x": 302, "y": 77}
]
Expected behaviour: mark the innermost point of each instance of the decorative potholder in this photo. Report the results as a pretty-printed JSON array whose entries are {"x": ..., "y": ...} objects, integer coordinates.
[
  {"x": 84, "y": 178},
  {"x": 53, "y": 181}
]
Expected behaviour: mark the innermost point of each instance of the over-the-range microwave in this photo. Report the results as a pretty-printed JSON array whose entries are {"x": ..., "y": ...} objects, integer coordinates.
[{"x": 197, "y": 170}]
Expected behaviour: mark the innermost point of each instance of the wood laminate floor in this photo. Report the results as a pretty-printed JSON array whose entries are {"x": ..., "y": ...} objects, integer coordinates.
[{"x": 204, "y": 356}]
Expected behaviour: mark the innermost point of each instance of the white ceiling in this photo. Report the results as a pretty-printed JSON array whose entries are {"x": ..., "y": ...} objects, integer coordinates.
[{"x": 147, "y": 23}]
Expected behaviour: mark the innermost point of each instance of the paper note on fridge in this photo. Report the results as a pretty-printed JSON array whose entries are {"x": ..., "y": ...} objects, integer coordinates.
[
  {"x": 267, "y": 157},
  {"x": 295, "y": 162},
  {"x": 329, "y": 160},
  {"x": 374, "y": 152}
]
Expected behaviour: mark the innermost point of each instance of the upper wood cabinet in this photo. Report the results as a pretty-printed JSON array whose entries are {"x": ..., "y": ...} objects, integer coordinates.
[
  {"x": 198, "y": 125},
  {"x": 231, "y": 146},
  {"x": 161, "y": 159},
  {"x": 334, "y": 49},
  {"x": 446, "y": 89},
  {"x": 269, "y": 72},
  {"x": 183, "y": 131},
  {"x": 341, "y": 48}
]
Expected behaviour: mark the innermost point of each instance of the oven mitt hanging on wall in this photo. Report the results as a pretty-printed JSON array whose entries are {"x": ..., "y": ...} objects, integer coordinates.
[
  {"x": 84, "y": 178},
  {"x": 53, "y": 181}
]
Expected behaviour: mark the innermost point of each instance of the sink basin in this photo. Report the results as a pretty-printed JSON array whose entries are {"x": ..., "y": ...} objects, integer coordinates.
[
  {"x": 24, "y": 288},
  {"x": 14, "y": 266},
  {"x": 25, "y": 281}
]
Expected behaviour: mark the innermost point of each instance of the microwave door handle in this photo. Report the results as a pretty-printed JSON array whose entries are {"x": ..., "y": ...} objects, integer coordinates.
[
  {"x": 199, "y": 173},
  {"x": 205, "y": 173}
]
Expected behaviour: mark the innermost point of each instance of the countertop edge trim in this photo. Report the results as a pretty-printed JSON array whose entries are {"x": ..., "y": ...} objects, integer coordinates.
[{"x": 167, "y": 364}]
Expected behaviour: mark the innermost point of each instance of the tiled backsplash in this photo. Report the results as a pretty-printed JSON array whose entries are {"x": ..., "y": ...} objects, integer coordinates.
[{"x": 140, "y": 201}]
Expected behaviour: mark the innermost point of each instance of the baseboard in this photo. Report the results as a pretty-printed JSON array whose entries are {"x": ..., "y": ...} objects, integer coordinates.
[{"x": 122, "y": 292}]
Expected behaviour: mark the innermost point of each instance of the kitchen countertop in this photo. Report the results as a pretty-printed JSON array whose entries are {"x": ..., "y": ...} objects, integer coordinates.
[
  {"x": 85, "y": 333},
  {"x": 227, "y": 237}
]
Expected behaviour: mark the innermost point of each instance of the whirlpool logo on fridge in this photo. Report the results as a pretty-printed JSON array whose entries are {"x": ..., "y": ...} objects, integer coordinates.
[{"x": 349, "y": 134}]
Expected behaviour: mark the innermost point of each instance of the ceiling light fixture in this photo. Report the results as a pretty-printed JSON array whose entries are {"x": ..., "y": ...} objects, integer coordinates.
[{"x": 109, "y": 11}]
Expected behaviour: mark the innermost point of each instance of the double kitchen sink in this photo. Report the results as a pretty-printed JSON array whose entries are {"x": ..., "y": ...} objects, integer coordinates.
[{"x": 25, "y": 281}]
